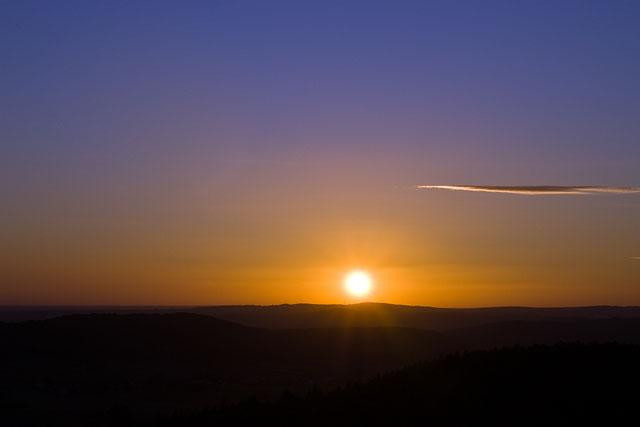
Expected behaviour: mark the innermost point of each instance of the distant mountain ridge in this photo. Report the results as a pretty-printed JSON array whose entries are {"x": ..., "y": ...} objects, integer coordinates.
[
  {"x": 294, "y": 316},
  {"x": 380, "y": 314}
]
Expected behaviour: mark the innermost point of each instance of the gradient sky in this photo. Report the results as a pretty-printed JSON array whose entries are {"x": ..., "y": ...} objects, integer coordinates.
[{"x": 216, "y": 152}]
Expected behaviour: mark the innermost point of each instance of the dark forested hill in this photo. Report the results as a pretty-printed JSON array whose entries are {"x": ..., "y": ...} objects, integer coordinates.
[
  {"x": 79, "y": 366},
  {"x": 88, "y": 369},
  {"x": 566, "y": 384}
]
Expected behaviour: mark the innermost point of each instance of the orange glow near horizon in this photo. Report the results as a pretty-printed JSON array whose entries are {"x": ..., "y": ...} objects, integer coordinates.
[{"x": 426, "y": 248}]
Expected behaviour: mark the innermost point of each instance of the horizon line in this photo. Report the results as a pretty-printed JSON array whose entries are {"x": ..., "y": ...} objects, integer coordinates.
[{"x": 178, "y": 306}]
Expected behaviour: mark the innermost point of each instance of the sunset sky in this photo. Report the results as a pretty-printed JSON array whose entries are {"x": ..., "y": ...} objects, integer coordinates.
[{"x": 474, "y": 153}]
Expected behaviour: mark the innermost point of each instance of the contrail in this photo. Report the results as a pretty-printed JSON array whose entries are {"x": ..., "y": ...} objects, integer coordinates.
[{"x": 538, "y": 190}]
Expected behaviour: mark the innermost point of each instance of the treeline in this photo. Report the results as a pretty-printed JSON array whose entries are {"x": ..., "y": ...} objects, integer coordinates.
[{"x": 540, "y": 385}]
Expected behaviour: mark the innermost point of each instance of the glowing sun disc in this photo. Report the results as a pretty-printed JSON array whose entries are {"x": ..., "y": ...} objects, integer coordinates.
[{"x": 358, "y": 283}]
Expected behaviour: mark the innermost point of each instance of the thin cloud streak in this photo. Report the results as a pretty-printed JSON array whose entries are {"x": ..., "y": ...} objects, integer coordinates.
[{"x": 540, "y": 190}]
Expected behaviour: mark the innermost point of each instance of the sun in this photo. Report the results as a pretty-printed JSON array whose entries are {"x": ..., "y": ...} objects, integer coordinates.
[{"x": 358, "y": 283}]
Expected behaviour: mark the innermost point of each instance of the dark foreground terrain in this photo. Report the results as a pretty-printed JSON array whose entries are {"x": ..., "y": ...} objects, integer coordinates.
[
  {"x": 147, "y": 369},
  {"x": 565, "y": 384}
]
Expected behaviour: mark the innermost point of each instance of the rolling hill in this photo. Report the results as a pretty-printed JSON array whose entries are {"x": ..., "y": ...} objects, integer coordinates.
[{"x": 84, "y": 368}]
